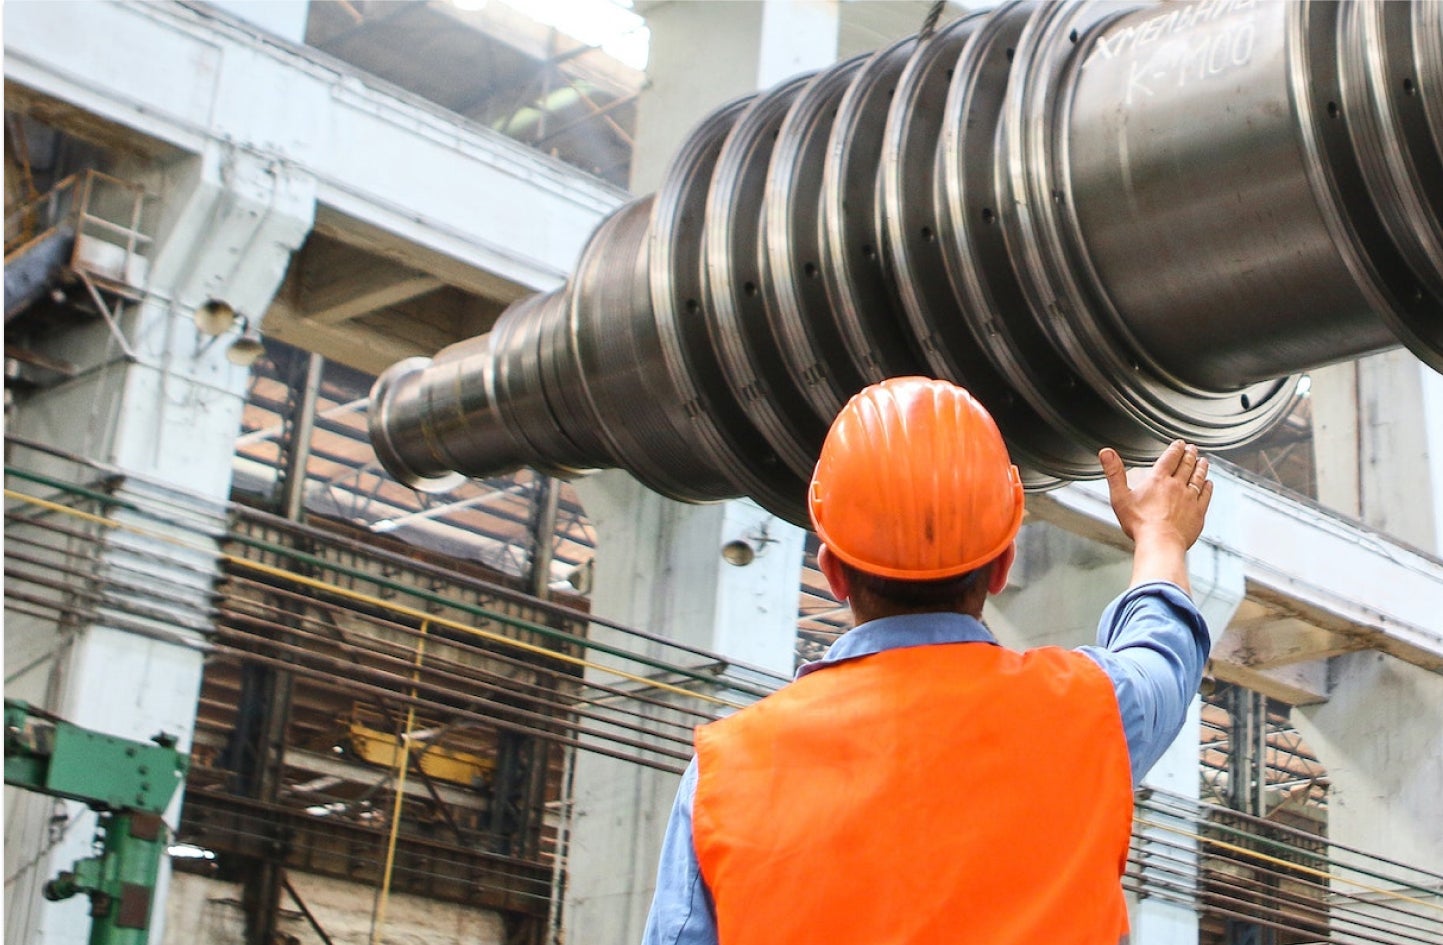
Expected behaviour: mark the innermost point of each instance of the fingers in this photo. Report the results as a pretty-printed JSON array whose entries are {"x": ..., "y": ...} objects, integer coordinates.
[
  {"x": 1187, "y": 465},
  {"x": 1199, "y": 474},
  {"x": 1167, "y": 463},
  {"x": 1115, "y": 472}
]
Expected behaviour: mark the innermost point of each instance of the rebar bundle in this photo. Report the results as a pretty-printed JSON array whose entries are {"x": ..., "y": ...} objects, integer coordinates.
[{"x": 1116, "y": 224}]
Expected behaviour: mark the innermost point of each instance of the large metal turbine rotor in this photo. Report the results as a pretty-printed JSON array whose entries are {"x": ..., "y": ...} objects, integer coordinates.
[{"x": 1115, "y": 224}]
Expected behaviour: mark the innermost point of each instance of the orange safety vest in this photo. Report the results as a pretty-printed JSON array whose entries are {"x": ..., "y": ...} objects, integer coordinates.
[{"x": 953, "y": 793}]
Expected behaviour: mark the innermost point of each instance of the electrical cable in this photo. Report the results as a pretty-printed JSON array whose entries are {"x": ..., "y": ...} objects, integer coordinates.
[{"x": 371, "y": 600}]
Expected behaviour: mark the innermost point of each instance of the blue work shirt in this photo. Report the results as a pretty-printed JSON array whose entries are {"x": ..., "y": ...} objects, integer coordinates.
[{"x": 1151, "y": 642}]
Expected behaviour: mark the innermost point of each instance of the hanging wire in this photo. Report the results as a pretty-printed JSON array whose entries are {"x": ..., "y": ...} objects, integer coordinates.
[{"x": 929, "y": 22}]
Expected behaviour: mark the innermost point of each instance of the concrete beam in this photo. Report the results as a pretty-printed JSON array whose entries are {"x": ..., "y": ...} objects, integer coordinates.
[
  {"x": 399, "y": 164},
  {"x": 364, "y": 289},
  {"x": 1273, "y": 640},
  {"x": 358, "y": 346},
  {"x": 1295, "y": 684},
  {"x": 1306, "y": 563}
]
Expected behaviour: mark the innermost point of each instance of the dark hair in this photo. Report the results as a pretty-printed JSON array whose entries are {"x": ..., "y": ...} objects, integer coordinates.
[{"x": 959, "y": 593}]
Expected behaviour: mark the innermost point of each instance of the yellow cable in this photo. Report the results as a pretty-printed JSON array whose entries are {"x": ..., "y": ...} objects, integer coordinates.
[
  {"x": 1322, "y": 874},
  {"x": 403, "y": 764},
  {"x": 370, "y": 600}
]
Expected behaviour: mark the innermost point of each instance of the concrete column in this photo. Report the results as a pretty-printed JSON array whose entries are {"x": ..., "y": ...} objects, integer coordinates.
[
  {"x": 164, "y": 418},
  {"x": 659, "y": 563},
  {"x": 704, "y": 54},
  {"x": 1378, "y": 441},
  {"x": 1379, "y": 739},
  {"x": 659, "y": 567},
  {"x": 1060, "y": 586},
  {"x": 1378, "y": 444}
]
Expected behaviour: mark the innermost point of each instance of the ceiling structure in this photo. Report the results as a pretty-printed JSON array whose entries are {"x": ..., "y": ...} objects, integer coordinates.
[{"x": 367, "y": 299}]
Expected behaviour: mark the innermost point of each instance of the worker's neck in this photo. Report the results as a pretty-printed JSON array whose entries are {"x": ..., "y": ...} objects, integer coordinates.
[{"x": 866, "y": 613}]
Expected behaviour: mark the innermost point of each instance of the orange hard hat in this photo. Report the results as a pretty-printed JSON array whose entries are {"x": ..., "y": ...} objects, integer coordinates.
[{"x": 914, "y": 482}]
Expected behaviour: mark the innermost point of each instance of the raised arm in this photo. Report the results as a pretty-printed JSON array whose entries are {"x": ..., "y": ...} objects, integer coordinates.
[{"x": 1161, "y": 509}]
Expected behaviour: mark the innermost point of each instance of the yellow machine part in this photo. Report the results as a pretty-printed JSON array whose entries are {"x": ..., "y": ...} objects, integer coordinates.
[{"x": 437, "y": 761}]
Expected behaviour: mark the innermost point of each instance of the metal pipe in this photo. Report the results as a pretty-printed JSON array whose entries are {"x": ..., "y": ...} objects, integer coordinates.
[
  {"x": 298, "y": 445},
  {"x": 573, "y": 700},
  {"x": 501, "y": 717},
  {"x": 454, "y": 682},
  {"x": 1116, "y": 225},
  {"x": 326, "y": 676}
]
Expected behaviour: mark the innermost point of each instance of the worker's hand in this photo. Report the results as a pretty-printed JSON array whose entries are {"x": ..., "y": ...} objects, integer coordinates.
[{"x": 1166, "y": 503}]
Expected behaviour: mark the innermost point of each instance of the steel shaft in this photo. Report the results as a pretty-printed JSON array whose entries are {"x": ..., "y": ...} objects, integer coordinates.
[{"x": 1117, "y": 224}]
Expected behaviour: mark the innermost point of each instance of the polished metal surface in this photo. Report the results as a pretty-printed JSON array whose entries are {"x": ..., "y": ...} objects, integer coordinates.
[
  {"x": 736, "y": 312},
  {"x": 615, "y": 337},
  {"x": 1117, "y": 223},
  {"x": 1050, "y": 413},
  {"x": 720, "y": 426},
  {"x": 860, "y": 286},
  {"x": 811, "y": 339}
]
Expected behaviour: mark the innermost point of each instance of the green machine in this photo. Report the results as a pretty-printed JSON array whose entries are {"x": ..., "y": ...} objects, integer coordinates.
[{"x": 130, "y": 783}]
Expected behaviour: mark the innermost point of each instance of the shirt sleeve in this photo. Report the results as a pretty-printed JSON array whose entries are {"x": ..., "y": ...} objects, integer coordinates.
[
  {"x": 681, "y": 910},
  {"x": 1153, "y": 644}
]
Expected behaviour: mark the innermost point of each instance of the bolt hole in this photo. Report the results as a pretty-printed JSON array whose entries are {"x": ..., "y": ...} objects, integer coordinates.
[
  {"x": 810, "y": 269},
  {"x": 1010, "y": 53},
  {"x": 927, "y": 234},
  {"x": 750, "y": 288},
  {"x": 1072, "y": 37},
  {"x": 1409, "y": 87},
  {"x": 1057, "y": 196},
  {"x": 949, "y": 74},
  {"x": 1247, "y": 402},
  {"x": 692, "y": 306},
  {"x": 987, "y": 215},
  {"x": 1333, "y": 110},
  {"x": 869, "y": 251}
]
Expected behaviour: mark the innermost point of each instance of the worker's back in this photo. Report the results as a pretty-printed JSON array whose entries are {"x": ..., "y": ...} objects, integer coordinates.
[{"x": 929, "y": 794}]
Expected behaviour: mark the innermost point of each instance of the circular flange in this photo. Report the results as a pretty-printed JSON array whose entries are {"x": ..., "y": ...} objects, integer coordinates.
[
  {"x": 802, "y": 317},
  {"x": 1385, "y": 165},
  {"x": 613, "y": 332},
  {"x": 859, "y": 284},
  {"x": 1064, "y": 295},
  {"x": 719, "y": 425},
  {"x": 736, "y": 310},
  {"x": 1052, "y": 417},
  {"x": 909, "y": 216}
]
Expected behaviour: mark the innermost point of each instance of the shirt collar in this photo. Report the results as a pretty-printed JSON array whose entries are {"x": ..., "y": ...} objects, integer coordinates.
[{"x": 889, "y": 633}]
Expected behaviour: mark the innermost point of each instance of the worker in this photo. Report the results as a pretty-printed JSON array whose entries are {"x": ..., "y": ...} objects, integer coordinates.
[{"x": 921, "y": 783}]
